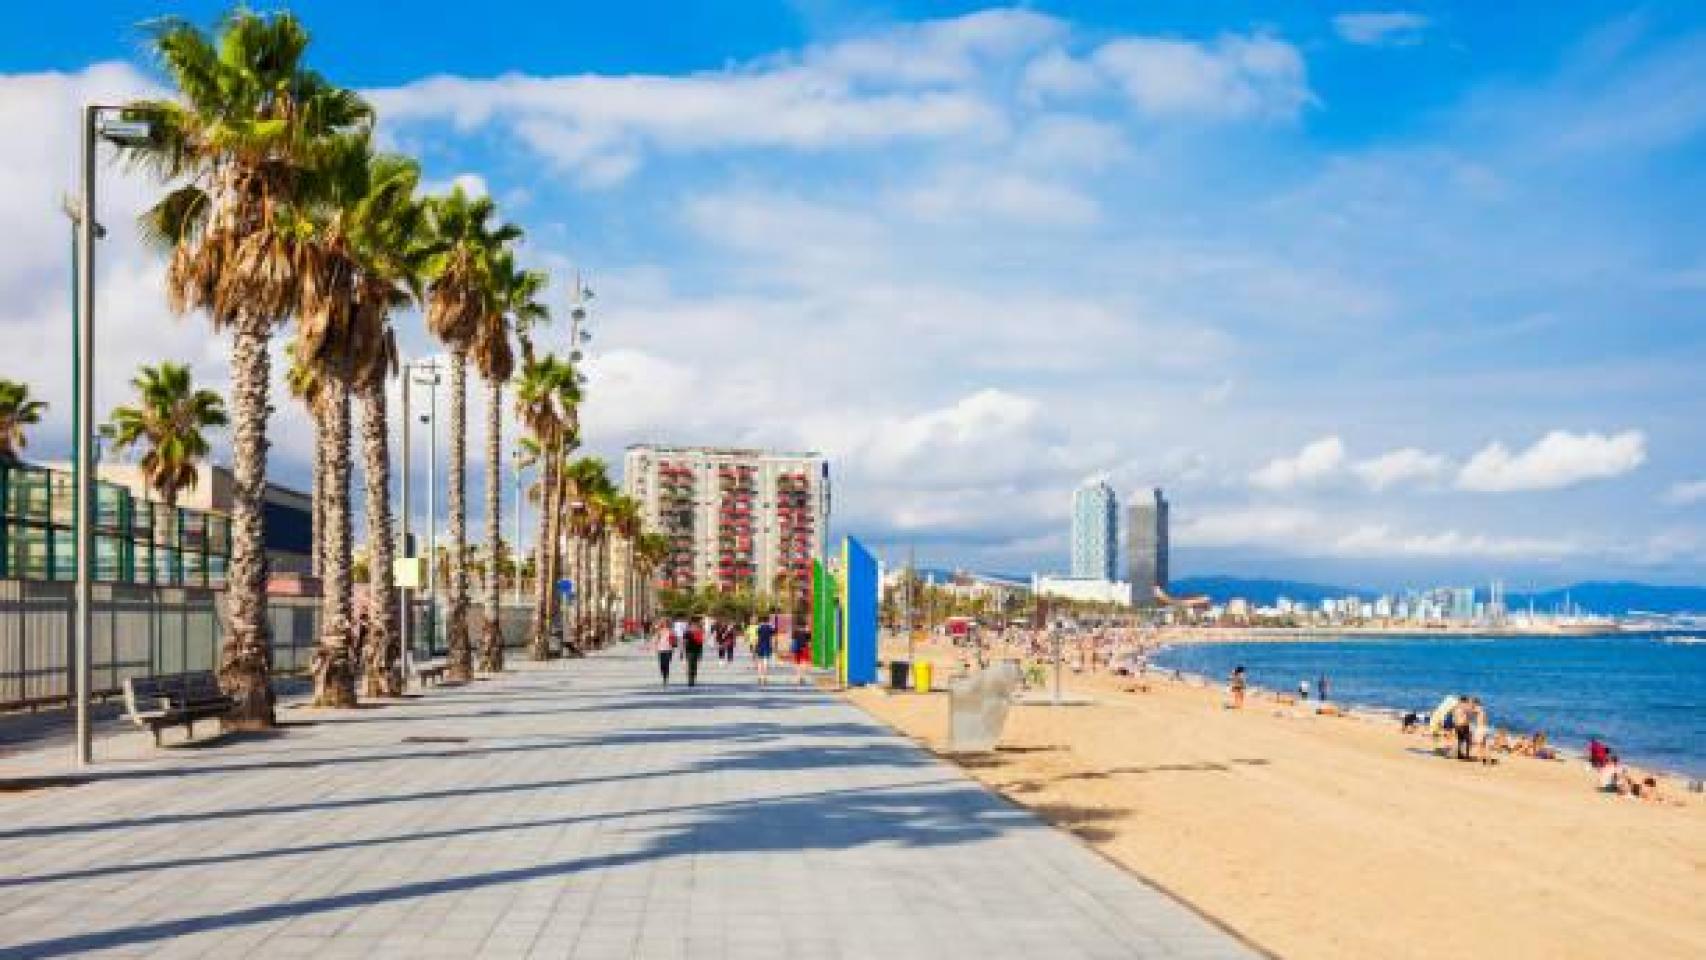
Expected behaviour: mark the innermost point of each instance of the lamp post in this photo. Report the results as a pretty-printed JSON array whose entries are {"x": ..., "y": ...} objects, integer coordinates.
[
  {"x": 405, "y": 543},
  {"x": 98, "y": 124},
  {"x": 428, "y": 376},
  {"x": 515, "y": 550}
]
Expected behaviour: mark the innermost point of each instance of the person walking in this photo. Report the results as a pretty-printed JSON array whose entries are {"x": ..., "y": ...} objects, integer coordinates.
[
  {"x": 1303, "y": 691},
  {"x": 1239, "y": 681},
  {"x": 765, "y": 649},
  {"x": 694, "y": 649},
  {"x": 801, "y": 653},
  {"x": 1321, "y": 688},
  {"x": 664, "y": 643}
]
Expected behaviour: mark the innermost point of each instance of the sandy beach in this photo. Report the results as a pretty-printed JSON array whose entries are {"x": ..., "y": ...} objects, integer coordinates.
[{"x": 1331, "y": 837}]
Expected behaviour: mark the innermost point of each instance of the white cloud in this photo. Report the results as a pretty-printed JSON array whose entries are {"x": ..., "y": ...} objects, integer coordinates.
[
  {"x": 1382, "y": 541},
  {"x": 472, "y": 184},
  {"x": 1559, "y": 459},
  {"x": 1057, "y": 73},
  {"x": 1401, "y": 466},
  {"x": 1687, "y": 492},
  {"x": 1317, "y": 461},
  {"x": 963, "y": 194},
  {"x": 1302, "y": 532},
  {"x": 1230, "y": 77},
  {"x": 1384, "y": 29}
]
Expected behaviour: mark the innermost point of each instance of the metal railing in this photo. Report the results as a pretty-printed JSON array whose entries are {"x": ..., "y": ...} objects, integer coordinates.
[{"x": 144, "y": 631}]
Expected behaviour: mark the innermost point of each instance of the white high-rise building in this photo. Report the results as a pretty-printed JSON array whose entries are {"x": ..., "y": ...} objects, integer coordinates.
[
  {"x": 1095, "y": 531},
  {"x": 736, "y": 519}
]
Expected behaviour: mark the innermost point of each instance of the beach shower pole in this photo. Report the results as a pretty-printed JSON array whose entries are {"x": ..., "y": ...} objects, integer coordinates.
[{"x": 405, "y": 548}]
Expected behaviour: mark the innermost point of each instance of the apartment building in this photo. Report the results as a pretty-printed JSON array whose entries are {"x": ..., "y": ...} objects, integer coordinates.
[{"x": 736, "y": 518}]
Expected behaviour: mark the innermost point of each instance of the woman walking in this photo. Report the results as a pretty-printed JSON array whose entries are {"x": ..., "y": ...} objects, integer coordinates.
[
  {"x": 693, "y": 649},
  {"x": 664, "y": 644},
  {"x": 762, "y": 653},
  {"x": 1238, "y": 683},
  {"x": 802, "y": 652}
]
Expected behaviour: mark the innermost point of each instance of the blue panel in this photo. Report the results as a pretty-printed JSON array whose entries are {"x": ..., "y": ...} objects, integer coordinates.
[
  {"x": 289, "y": 529},
  {"x": 861, "y": 606}
]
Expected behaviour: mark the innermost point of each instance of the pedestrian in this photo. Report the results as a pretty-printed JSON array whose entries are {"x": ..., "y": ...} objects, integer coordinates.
[
  {"x": 765, "y": 649},
  {"x": 1321, "y": 687},
  {"x": 726, "y": 642},
  {"x": 802, "y": 654},
  {"x": 1463, "y": 727},
  {"x": 694, "y": 649},
  {"x": 1303, "y": 690},
  {"x": 664, "y": 644},
  {"x": 1238, "y": 684}
]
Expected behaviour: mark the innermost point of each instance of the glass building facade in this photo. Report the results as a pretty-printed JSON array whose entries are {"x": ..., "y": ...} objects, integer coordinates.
[
  {"x": 1147, "y": 530},
  {"x": 1095, "y": 532}
]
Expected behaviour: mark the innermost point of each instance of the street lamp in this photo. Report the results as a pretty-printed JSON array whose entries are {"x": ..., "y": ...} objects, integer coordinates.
[
  {"x": 427, "y": 375},
  {"x": 98, "y": 124},
  {"x": 515, "y": 550}
]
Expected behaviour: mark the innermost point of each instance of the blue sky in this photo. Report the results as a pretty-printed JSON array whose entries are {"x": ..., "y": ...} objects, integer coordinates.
[{"x": 1379, "y": 293}]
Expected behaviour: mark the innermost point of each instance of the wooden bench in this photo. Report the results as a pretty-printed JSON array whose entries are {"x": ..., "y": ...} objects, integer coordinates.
[
  {"x": 429, "y": 673},
  {"x": 174, "y": 700}
]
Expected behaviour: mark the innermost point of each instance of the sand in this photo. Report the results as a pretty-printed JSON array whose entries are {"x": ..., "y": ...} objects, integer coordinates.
[{"x": 1337, "y": 837}]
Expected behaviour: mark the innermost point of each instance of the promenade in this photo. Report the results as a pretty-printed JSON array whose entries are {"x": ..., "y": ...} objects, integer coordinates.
[{"x": 570, "y": 810}]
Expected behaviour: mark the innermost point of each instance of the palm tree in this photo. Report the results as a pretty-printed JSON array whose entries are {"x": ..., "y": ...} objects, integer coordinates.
[
  {"x": 170, "y": 416},
  {"x": 547, "y": 399},
  {"x": 515, "y": 306},
  {"x": 17, "y": 411},
  {"x": 238, "y": 145},
  {"x": 459, "y": 296},
  {"x": 391, "y": 241}
]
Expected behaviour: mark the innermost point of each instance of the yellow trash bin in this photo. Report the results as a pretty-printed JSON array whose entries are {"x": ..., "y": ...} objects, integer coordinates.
[{"x": 921, "y": 676}]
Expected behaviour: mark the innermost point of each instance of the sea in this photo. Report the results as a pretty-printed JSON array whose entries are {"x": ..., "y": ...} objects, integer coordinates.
[{"x": 1642, "y": 693}]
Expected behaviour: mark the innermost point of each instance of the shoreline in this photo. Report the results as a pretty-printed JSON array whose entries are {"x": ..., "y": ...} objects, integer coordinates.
[
  {"x": 1332, "y": 634},
  {"x": 1318, "y": 838},
  {"x": 1377, "y": 713}
]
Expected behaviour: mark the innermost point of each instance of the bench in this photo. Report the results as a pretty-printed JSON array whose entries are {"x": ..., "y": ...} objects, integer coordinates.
[
  {"x": 429, "y": 673},
  {"x": 174, "y": 700}
]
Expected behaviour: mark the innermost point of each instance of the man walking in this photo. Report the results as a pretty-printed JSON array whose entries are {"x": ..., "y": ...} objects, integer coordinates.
[{"x": 694, "y": 649}]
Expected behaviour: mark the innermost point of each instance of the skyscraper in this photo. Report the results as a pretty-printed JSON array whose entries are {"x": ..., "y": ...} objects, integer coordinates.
[
  {"x": 1146, "y": 527},
  {"x": 1095, "y": 531}
]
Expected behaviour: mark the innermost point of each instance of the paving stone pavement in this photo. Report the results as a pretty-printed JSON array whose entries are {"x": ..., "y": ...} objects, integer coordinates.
[{"x": 569, "y": 810}]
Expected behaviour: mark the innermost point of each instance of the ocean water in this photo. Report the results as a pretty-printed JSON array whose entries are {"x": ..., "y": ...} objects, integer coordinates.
[{"x": 1644, "y": 694}]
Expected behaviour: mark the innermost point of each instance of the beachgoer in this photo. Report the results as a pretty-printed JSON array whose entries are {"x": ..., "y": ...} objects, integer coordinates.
[
  {"x": 693, "y": 648},
  {"x": 802, "y": 654},
  {"x": 762, "y": 653},
  {"x": 664, "y": 644},
  {"x": 1303, "y": 689},
  {"x": 1598, "y": 753},
  {"x": 1611, "y": 779},
  {"x": 1238, "y": 684},
  {"x": 1321, "y": 688},
  {"x": 1463, "y": 727},
  {"x": 1411, "y": 721}
]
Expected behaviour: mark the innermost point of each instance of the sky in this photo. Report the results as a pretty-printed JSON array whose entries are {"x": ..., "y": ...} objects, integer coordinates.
[{"x": 1379, "y": 294}]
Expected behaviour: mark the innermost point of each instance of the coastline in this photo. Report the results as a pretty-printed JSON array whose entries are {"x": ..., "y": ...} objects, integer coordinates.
[
  {"x": 1318, "y": 836},
  {"x": 1171, "y": 635}
]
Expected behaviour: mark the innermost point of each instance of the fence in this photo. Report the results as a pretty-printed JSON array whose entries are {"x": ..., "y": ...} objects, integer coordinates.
[{"x": 141, "y": 631}]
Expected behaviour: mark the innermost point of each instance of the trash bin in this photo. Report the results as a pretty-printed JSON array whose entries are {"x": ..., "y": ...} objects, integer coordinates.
[
  {"x": 921, "y": 677},
  {"x": 898, "y": 673}
]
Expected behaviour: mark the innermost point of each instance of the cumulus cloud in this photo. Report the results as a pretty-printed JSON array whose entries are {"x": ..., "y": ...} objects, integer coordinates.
[
  {"x": 1559, "y": 459},
  {"x": 1687, "y": 492},
  {"x": 1299, "y": 531},
  {"x": 1401, "y": 466},
  {"x": 1383, "y": 29},
  {"x": 1229, "y": 77},
  {"x": 1316, "y": 462}
]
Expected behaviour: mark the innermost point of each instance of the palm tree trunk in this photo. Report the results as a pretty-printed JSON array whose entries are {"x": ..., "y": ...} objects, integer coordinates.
[
  {"x": 542, "y": 584},
  {"x": 384, "y": 658},
  {"x": 492, "y": 637},
  {"x": 317, "y": 507},
  {"x": 245, "y": 658},
  {"x": 334, "y": 667},
  {"x": 460, "y": 665}
]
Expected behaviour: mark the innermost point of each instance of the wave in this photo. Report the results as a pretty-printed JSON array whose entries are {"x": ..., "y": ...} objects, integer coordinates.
[{"x": 1686, "y": 641}]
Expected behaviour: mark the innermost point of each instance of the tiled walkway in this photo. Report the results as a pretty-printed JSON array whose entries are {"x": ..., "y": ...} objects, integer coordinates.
[{"x": 574, "y": 810}]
